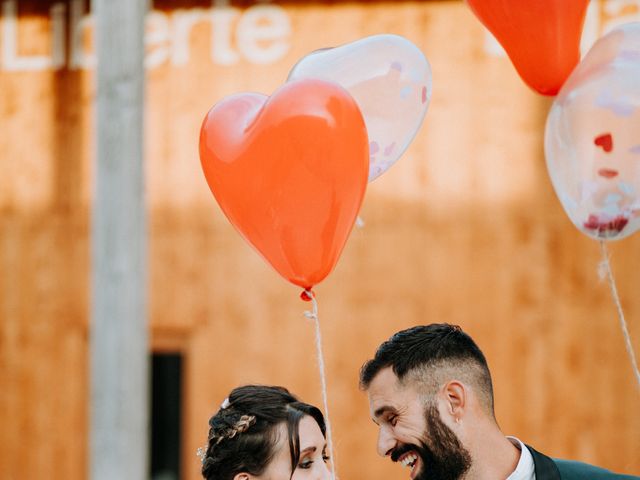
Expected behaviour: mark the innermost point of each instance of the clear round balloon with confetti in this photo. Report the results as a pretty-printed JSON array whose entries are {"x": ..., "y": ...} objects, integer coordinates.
[
  {"x": 390, "y": 79},
  {"x": 592, "y": 138}
]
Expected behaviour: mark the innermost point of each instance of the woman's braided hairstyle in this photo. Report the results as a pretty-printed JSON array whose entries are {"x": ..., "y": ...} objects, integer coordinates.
[{"x": 244, "y": 432}]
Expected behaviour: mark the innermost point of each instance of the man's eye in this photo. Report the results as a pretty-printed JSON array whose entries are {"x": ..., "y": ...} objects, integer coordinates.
[{"x": 393, "y": 420}]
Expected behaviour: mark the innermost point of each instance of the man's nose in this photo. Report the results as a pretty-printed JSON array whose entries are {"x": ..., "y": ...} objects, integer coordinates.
[{"x": 386, "y": 442}]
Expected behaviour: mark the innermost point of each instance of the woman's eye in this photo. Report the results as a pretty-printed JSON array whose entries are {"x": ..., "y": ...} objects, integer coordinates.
[
  {"x": 306, "y": 464},
  {"x": 326, "y": 458}
]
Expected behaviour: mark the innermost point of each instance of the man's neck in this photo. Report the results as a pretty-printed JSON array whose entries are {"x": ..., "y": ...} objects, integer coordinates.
[{"x": 494, "y": 457}]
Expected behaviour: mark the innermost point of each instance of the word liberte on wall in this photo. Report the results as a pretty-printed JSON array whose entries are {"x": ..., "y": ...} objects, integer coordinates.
[{"x": 259, "y": 34}]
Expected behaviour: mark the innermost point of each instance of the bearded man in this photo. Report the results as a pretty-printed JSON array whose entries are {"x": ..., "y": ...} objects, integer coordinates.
[{"x": 431, "y": 395}]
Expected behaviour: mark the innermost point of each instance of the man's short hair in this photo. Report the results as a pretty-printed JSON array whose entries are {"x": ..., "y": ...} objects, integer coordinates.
[{"x": 432, "y": 355}]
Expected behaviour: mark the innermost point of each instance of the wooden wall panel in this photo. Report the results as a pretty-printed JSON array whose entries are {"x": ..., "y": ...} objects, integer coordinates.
[{"x": 464, "y": 229}]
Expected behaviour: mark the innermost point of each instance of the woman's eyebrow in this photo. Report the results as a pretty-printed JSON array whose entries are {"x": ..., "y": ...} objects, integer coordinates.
[{"x": 308, "y": 450}]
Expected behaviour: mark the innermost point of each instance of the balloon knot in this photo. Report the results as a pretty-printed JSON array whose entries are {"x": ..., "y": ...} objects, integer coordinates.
[{"x": 307, "y": 295}]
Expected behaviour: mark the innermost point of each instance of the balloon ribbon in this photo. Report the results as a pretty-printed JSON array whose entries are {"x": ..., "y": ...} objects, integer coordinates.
[
  {"x": 313, "y": 315},
  {"x": 623, "y": 323}
]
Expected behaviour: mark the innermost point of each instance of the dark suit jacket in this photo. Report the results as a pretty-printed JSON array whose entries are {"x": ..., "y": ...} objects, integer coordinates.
[{"x": 554, "y": 469}]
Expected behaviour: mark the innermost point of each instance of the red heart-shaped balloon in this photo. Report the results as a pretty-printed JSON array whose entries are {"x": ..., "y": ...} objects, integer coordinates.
[
  {"x": 541, "y": 37},
  {"x": 290, "y": 172}
]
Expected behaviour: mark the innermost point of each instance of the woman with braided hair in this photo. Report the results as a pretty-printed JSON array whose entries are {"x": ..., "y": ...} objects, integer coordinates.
[{"x": 265, "y": 433}]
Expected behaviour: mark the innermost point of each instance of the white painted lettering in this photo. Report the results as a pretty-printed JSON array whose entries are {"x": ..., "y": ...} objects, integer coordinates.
[
  {"x": 263, "y": 33},
  {"x": 156, "y": 39},
  {"x": 183, "y": 22},
  {"x": 591, "y": 27},
  {"x": 11, "y": 60},
  {"x": 223, "y": 18},
  {"x": 619, "y": 12},
  {"x": 260, "y": 34},
  {"x": 492, "y": 46},
  {"x": 81, "y": 27},
  {"x": 58, "y": 30}
]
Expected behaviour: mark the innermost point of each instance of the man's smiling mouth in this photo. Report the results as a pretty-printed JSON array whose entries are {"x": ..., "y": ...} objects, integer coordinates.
[{"x": 410, "y": 460}]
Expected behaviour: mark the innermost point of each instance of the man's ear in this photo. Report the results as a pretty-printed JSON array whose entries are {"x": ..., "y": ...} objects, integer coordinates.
[{"x": 455, "y": 395}]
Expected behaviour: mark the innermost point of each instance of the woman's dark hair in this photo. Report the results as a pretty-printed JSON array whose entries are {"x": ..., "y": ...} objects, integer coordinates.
[{"x": 244, "y": 432}]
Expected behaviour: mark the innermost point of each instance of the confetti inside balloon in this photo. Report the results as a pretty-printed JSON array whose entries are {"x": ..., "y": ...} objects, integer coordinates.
[
  {"x": 390, "y": 79},
  {"x": 592, "y": 138}
]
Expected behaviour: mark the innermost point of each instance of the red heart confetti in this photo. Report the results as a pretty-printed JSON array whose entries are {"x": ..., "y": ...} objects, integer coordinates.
[{"x": 605, "y": 141}]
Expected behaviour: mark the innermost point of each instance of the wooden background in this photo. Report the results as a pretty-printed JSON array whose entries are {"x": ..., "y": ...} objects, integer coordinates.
[{"x": 465, "y": 229}]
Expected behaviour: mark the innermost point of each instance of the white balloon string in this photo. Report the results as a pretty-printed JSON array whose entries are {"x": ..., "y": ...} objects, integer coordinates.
[
  {"x": 606, "y": 266},
  {"x": 313, "y": 315}
]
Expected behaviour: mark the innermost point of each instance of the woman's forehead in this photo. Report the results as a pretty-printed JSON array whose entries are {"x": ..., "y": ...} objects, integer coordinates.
[{"x": 310, "y": 434}]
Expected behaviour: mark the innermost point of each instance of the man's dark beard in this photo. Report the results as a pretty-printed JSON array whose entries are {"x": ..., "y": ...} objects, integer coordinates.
[{"x": 444, "y": 458}]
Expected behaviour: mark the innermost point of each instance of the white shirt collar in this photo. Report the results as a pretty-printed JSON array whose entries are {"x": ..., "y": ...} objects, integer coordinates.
[{"x": 525, "y": 470}]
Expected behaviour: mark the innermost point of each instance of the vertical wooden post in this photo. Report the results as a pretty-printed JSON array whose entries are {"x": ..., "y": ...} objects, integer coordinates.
[{"x": 119, "y": 340}]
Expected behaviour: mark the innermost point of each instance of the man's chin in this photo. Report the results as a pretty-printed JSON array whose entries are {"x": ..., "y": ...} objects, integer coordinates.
[{"x": 429, "y": 466}]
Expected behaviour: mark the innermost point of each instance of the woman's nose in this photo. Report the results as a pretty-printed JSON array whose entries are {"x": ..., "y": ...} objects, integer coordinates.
[{"x": 324, "y": 473}]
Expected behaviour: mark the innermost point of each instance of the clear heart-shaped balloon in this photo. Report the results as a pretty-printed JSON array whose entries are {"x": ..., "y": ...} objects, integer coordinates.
[
  {"x": 390, "y": 79},
  {"x": 592, "y": 138}
]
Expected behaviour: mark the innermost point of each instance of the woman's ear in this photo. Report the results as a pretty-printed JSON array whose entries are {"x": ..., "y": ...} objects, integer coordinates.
[{"x": 243, "y": 476}]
